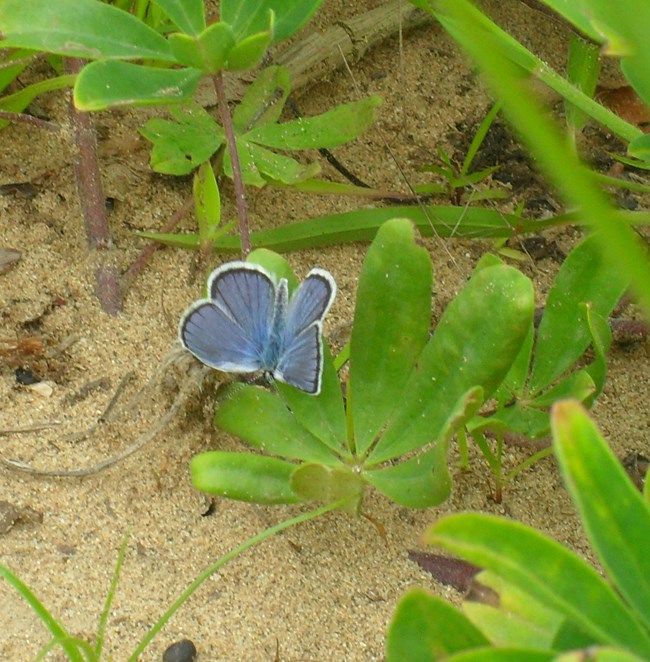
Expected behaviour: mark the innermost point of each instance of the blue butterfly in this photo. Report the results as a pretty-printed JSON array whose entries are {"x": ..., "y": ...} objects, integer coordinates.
[{"x": 250, "y": 324}]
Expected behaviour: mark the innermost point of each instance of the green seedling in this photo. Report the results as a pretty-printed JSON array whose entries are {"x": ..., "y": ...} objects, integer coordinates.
[
  {"x": 574, "y": 318},
  {"x": 550, "y": 604},
  {"x": 80, "y": 650},
  {"x": 458, "y": 180},
  {"x": 180, "y": 145},
  {"x": 503, "y": 60},
  {"x": 406, "y": 394}
]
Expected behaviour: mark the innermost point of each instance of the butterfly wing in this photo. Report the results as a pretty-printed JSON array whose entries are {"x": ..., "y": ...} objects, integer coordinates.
[
  {"x": 230, "y": 330},
  {"x": 301, "y": 361}
]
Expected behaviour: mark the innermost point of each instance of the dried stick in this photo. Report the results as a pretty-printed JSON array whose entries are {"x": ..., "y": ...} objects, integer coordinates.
[
  {"x": 91, "y": 198},
  {"x": 28, "y": 119},
  {"x": 197, "y": 376}
]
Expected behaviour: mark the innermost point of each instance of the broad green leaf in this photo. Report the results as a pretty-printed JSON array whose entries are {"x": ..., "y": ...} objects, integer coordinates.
[
  {"x": 207, "y": 203},
  {"x": 465, "y": 351},
  {"x": 114, "y": 83},
  {"x": 425, "y": 628},
  {"x": 503, "y": 655},
  {"x": 263, "y": 101},
  {"x": 515, "y": 380},
  {"x": 423, "y": 480},
  {"x": 244, "y": 477},
  {"x": 317, "y": 482},
  {"x": 613, "y": 513},
  {"x": 278, "y": 166},
  {"x": 516, "y": 619},
  {"x": 274, "y": 264},
  {"x": 80, "y": 28},
  {"x": 262, "y": 420},
  {"x": 578, "y": 385},
  {"x": 552, "y": 574},
  {"x": 331, "y": 129},
  {"x": 187, "y": 15},
  {"x": 391, "y": 326},
  {"x": 249, "y": 52},
  {"x": 207, "y": 52},
  {"x": 323, "y": 415},
  {"x": 250, "y": 174},
  {"x": 250, "y": 16},
  {"x": 181, "y": 146},
  {"x": 563, "y": 335}
]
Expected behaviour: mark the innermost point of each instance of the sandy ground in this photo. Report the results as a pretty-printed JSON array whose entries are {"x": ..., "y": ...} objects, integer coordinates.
[{"x": 325, "y": 590}]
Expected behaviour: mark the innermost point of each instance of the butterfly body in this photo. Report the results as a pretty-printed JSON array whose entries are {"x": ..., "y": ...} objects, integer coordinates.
[{"x": 250, "y": 324}]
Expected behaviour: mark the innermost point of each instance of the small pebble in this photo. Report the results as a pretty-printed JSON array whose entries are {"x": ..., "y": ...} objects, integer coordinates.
[{"x": 181, "y": 651}]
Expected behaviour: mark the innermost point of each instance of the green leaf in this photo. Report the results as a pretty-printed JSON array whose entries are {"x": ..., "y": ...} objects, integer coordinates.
[
  {"x": 18, "y": 101},
  {"x": 250, "y": 16},
  {"x": 514, "y": 618},
  {"x": 640, "y": 148},
  {"x": 181, "y": 146},
  {"x": 207, "y": 204},
  {"x": 80, "y": 28},
  {"x": 262, "y": 420},
  {"x": 613, "y": 513},
  {"x": 277, "y": 166},
  {"x": 64, "y": 639},
  {"x": 244, "y": 477},
  {"x": 583, "y": 67},
  {"x": 263, "y": 100},
  {"x": 550, "y": 573},
  {"x": 563, "y": 335},
  {"x": 249, "y": 52},
  {"x": 391, "y": 326},
  {"x": 503, "y": 655},
  {"x": 250, "y": 174},
  {"x": 331, "y": 129},
  {"x": 323, "y": 415},
  {"x": 316, "y": 482},
  {"x": 426, "y": 628},
  {"x": 114, "y": 83},
  {"x": 187, "y": 15},
  {"x": 9, "y": 73},
  {"x": 471, "y": 346},
  {"x": 424, "y": 481},
  {"x": 207, "y": 52}
]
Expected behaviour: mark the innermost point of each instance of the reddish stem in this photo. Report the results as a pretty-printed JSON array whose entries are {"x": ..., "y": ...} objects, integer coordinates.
[
  {"x": 91, "y": 199},
  {"x": 240, "y": 195}
]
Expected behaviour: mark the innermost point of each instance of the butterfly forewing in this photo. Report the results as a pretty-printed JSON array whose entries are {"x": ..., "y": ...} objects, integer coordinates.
[
  {"x": 246, "y": 294},
  {"x": 207, "y": 332},
  {"x": 230, "y": 331}
]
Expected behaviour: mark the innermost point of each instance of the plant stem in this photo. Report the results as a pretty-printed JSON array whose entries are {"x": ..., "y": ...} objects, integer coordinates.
[
  {"x": 240, "y": 195},
  {"x": 91, "y": 199}
]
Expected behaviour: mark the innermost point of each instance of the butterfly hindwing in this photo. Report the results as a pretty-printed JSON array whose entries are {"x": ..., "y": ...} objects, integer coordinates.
[
  {"x": 301, "y": 364},
  {"x": 301, "y": 361}
]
